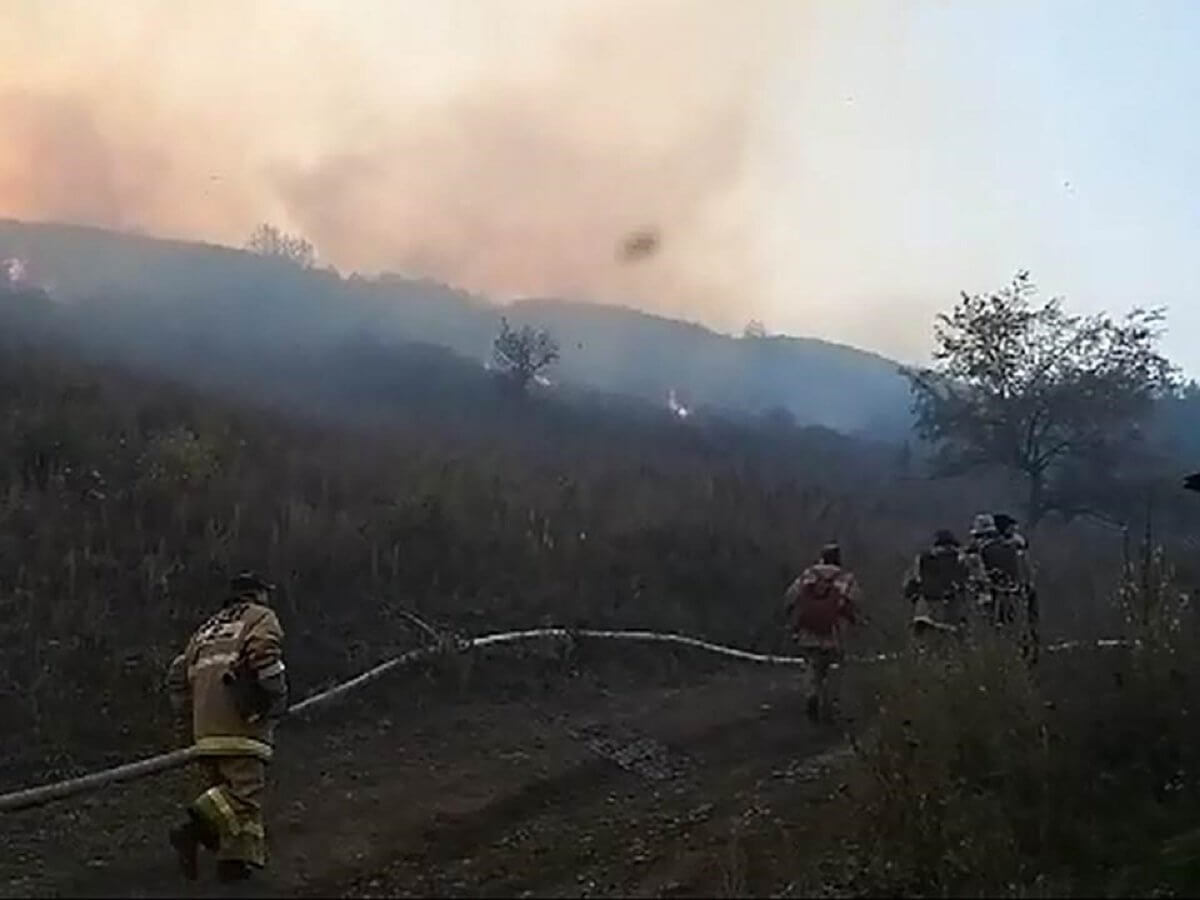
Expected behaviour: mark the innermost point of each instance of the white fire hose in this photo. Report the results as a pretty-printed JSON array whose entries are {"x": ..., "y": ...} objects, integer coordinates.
[{"x": 60, "y": 790}]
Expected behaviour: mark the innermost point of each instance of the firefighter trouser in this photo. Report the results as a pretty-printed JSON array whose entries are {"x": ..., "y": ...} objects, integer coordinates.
[
  {"x": 944, "y": 620},
  {"x": 231, "y": 807},
  {"x": 824, "y": 662},
  {"x": 1016, "y": 613},
  {"x": 948, "y": 610}
]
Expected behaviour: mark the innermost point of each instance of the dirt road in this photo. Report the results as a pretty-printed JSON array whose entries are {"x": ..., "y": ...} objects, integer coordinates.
[{"x": 577, "y": 790}]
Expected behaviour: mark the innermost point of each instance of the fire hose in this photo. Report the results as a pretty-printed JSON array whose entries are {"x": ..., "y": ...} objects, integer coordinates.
[{"x": 60, "y": 790}]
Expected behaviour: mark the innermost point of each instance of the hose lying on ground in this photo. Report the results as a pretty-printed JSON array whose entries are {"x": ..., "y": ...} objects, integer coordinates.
[{"x": 60, "y": 790}]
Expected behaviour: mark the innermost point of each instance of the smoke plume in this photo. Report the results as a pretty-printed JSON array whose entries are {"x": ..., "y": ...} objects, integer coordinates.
[{"x": 509, "y": 148}]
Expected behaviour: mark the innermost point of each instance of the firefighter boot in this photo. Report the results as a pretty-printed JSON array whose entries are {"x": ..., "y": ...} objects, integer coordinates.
[
  {"x": 826, "y": 709},
  {"x": 813, "y": 708},
  {"x": 185, "y": 839},
  {"x": 231, "y": 870}
]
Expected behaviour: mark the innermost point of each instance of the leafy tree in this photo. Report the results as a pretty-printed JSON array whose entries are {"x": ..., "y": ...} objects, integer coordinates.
[
  {"x": 1025, "y": 386},
  {"x": 523, "y": 354},
  {"x": 267, "y": 240}
]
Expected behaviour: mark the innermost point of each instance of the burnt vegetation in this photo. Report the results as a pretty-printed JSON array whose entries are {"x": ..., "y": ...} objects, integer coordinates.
[{"x": 369, "y": 474}]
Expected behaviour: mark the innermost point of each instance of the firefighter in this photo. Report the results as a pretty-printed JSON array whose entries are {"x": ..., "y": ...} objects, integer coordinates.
[
  {"x": 819, "y": 604},
  {"x": 232, "y": 676},
  {"x": 983, "y": 531},
  {"x": 1007, "y": 528},
  {"x": 999, "y": 569},
  {"x": 936, "y": 584},
  {"x": 1009, "y": 532}
]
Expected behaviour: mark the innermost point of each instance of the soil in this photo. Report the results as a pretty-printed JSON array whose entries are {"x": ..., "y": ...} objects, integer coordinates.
[
  {"x": 520, "y": 779},
  {"x": 701, "y": 783}
]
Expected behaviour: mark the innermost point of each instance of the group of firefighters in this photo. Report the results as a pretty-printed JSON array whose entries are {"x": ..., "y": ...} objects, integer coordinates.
[
  {"x": 954, "y": 589},
  {"x": 231, "y": 681}
]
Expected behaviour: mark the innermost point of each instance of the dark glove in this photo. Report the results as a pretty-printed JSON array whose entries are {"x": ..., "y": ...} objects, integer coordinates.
[
  {"x": 249, "y": 699},
  {"x": 181, "y": 728},
  {"x": 274, "y": 696}
]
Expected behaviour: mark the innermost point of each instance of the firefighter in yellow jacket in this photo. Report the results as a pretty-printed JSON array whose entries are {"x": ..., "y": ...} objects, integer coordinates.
[{"x": 232, "y": 673}]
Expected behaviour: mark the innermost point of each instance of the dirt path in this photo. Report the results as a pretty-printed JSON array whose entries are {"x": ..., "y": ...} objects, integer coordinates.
[
  {"x": 700, "y": 785},
  {"x": 583, "y": 792}
]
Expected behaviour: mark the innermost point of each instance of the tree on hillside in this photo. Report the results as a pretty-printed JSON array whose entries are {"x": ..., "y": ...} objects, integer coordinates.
[
  {"x": 1025, "y": 386},
  {"x": 754, "y": 330},
  {"x": 524, "y": 354},
  {"x": 267, "y": 240}
]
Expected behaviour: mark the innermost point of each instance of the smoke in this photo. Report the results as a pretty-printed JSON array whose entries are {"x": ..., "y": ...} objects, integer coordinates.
[
  {"x": 509, "y": 148},
  {"x": 57, "y": 164}
]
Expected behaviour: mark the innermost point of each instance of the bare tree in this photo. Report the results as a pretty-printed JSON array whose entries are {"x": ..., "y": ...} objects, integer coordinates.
[
  {"x": 267, "y": 240},
  {"x": 523, "y": 354},
  {"x": 1027, "y": 387},
  {"x": 754, "y": 330}
]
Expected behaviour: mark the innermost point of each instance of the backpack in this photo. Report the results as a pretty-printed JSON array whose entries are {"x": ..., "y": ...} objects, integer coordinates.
[
  {"x": 942, "y": 573},
  {"x": 1001, "y": 558},
  {"x": 821, "y": 597}
]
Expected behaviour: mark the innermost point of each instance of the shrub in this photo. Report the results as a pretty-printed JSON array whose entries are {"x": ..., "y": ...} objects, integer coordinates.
[
  {"x": 982, "y": 778},
  {"x": 952, "y": 778}
]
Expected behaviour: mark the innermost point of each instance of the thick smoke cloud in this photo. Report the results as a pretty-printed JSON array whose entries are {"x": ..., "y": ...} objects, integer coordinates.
[{"x": 505, "y": 147}]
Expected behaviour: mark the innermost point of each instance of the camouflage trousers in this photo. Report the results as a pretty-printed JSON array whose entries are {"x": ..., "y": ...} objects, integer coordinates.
[
  {"x": 1015, "y": 614},
  {"x": 231, "y": 807},
  {"x": 939, "y": 623},
  {"x": 824, "y": 667}
]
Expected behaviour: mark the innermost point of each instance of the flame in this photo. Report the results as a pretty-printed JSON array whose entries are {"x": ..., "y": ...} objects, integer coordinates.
[
  {"x": 675, "y": 406},
  {"x": 15, "y": 271}
]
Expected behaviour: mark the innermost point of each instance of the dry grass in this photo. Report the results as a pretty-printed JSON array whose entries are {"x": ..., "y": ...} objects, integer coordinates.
[
  {"x": 981, "y": 779},
  {"x": 123, "y": 502},
  {"x": 952, "y": 779}
]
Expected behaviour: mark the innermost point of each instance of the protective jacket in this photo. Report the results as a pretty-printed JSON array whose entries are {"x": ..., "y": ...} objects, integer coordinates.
[
  {"x": 232, "y": 671},
  {"x": 821, "y": 601},
  {"x": 936, "y": 583},
  {"x": 1001, "y": 563},
  {"x": 936, "y": 574}
]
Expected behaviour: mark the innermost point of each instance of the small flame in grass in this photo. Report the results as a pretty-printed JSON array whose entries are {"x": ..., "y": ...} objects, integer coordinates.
[
  {"x": 15, "y": 271},
  {"x": 675, "y": 406}
]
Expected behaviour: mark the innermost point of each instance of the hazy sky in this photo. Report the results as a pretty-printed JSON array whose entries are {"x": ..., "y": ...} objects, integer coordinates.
[{"x": 839, "y": 168}]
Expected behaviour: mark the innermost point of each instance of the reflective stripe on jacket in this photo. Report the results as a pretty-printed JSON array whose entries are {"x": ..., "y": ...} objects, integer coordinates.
[{"x": 246, "y": 634}]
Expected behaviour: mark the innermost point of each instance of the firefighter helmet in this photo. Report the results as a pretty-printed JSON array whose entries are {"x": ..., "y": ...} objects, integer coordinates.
[{"x": 249, "y": 581}]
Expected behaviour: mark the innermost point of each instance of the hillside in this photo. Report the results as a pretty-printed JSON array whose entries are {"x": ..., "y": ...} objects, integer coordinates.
[
  {"x": 167, "y": 298},
  {"x": 371, "y": 476},
  {"x": 636, "y": 353}
]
